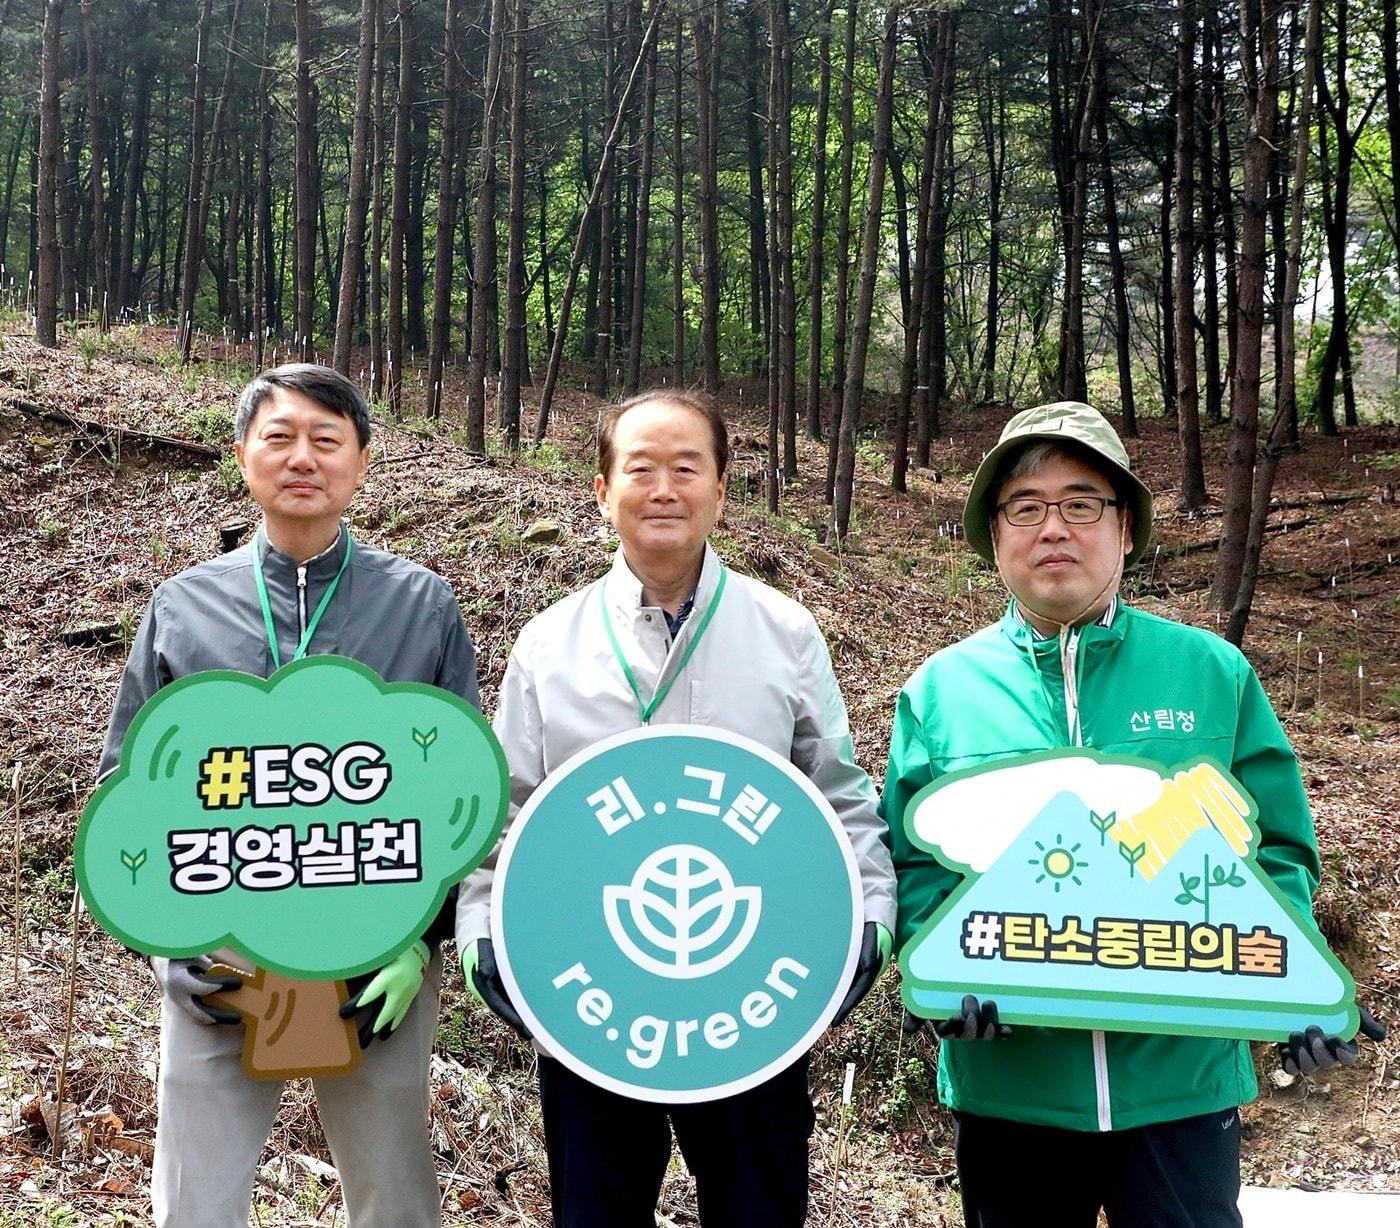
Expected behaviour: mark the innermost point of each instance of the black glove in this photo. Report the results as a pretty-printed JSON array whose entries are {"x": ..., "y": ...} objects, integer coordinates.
[
  {"x": 1311, "y": 1051},
  {"x": 977, "y": 1021},
  {"x": 484, "y": 983},
  {"x": 184, "y": 982},
  {"x": 911, "y": 1024},
  {"x": 869, "y": 965}
]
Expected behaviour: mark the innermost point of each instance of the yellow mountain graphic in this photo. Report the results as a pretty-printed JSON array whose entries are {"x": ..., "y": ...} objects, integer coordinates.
[{"x": 1190, "y": 800}]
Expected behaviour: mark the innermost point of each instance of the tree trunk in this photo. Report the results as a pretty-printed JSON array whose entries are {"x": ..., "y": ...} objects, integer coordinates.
[
  {"x": 1259, "y": 69},
  {"x": 97, "y": 140},
  {"x": 1211, "y": 103},
  {"x": 1075, "y": 385},
  {"x": 357, "y": 200},
  {"x": 994, "y": 136},
  {"x": 1122, "y": 326},
  {"x": 193, "y": 249},
  {"x": 841, "y": 308},
  {"x": 127, "y": 291},
  {"x": 1188, "y": 410},
  {"x": 1390, "y": 66},
  {"x": 637, "y": 315},
  {"x": 377, "y": 356},
  {"x": 1286, "y": 409},
  {"x": 607, "y": 222},
  {"x": 305, "y": 246},
  {"x": 1335, "y": 100},
  {"x": 516, "y": 354},
  {"x": 556, "y": 352},
  {"x": 1166, "y": 370},
  {"x": 484, "y": 259},
  {"x": 707, "y": 53},
  {"x": 677, "y": 212},
  {"x": 913, "y": 313},
  {"x": 817, "y": 244},
  {"x": 762, "y": 212},
  {"x": 50, "y": 138},
  {"x": 446, "y": 215},
  {"x": 869, "y": 267},
  {"x": 398, "y": 209}
]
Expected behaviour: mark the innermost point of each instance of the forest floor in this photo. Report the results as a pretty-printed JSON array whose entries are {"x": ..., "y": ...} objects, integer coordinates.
[{"x": 100, "y": 500}]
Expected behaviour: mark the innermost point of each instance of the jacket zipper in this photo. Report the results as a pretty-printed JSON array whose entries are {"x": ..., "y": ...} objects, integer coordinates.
[
  {"x": 1068, "y": 664},
  {"x": 301, "y": 602}
]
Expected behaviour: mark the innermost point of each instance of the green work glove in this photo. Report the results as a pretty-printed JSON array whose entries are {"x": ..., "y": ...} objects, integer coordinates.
[
  {"x": 397, "y": 983},
  {"x": 875, "y": 944},
  {"x": 485, "y": 985}
]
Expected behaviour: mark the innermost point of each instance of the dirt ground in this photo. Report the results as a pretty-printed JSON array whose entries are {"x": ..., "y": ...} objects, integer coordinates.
[{"x": 102, "y": 496}]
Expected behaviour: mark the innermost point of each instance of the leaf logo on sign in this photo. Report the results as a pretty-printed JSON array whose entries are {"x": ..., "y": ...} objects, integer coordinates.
[{"x": 682, "y": 904}]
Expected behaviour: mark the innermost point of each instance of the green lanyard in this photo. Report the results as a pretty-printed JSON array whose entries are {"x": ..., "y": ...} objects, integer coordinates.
[
  {"x": 646, "y": 709},
  {"x": 268, "y": 622}
]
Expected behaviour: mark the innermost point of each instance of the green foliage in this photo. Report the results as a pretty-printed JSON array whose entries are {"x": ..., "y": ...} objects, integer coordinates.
[{"x": 228, "y": 475}]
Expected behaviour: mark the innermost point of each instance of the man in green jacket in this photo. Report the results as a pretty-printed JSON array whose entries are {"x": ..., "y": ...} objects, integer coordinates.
[{"x": 1145, "y": 1127}]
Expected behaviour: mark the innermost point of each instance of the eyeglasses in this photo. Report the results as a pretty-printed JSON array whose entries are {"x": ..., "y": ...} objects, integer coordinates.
[{"x": 1081, "y": 509}]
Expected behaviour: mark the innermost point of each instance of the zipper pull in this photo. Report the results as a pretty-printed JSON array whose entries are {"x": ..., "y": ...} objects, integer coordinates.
[{"x": 301, "y": 600}]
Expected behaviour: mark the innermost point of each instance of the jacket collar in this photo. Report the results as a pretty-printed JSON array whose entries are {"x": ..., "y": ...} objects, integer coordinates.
[
  {"x": 1109, "y": 628},
  {"x": 319, "y": 569},
  {"x": 624, "y": 589}
]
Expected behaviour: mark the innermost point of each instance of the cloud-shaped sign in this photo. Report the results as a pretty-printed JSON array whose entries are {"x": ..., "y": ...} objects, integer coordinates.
[{"x": 313, "y": 821}]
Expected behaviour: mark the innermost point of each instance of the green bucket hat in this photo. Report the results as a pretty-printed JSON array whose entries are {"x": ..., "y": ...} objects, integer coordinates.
[{"x": 1070, "y": 422}]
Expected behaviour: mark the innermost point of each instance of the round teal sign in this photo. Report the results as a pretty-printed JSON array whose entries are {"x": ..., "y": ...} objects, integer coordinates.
[{"x": 677, "y": 913}]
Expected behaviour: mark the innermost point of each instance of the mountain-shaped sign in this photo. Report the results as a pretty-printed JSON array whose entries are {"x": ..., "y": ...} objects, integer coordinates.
[{"x": 1104, "y": 892}]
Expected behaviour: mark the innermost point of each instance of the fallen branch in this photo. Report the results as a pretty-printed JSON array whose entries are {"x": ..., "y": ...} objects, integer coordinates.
[
  {"x": 1214, "y": 542},
  {"x": 118, "y": 435}
]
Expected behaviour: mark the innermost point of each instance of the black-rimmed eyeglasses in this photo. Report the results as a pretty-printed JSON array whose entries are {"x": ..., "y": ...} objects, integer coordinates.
[{"x": 1080, "y": 509}]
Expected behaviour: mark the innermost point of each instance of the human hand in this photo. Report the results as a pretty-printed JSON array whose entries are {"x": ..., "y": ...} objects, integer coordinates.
[
  {"x": 976, "y": 1021},
  {"x": 397, "y": 984},
  {"x": 875, "y": 946},
  {"x": 485, "y": 985},
  {"x": 184, "y": 982},
  {"x": 1310, "y": 1051}
]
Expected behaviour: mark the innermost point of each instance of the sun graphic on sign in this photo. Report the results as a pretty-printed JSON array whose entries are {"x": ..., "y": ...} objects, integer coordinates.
[{"x": 1058, "y": 864}]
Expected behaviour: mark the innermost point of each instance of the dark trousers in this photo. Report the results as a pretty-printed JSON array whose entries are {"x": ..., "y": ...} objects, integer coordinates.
[
  {"x": 1176, "y": 1174},
  {"x": 608, "y": 1153}
]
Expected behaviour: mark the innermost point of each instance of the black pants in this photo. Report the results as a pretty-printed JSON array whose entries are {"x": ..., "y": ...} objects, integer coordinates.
[
  {"x": 1176, "y": 1174},
  {"x": 608, "y": 1153}
]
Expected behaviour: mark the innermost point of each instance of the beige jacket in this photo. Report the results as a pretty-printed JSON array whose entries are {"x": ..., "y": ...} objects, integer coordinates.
[{"x": 761, "y": 670}]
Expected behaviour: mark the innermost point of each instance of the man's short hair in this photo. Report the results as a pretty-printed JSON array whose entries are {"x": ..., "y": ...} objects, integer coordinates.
[
  {"x": 701, "y": 403},
  {"x": 327, "y": 387},
  {"x": 1039, "y": 453}
]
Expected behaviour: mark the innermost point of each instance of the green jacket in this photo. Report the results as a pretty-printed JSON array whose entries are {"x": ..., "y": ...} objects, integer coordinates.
[{"x": 1146, "y": 687}]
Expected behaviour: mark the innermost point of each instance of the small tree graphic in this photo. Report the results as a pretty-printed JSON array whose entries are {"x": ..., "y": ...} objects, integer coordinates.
[
  {"x": 1132, "y": 854},
  {"x": 133, "y": 862},
  {"x": 1207, "y": 881},
  {"x": 1102, "y": 822},
  {"x": 425, "y": 740}
]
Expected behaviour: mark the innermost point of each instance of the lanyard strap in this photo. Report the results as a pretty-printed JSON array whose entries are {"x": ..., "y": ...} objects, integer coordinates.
[
  {"x": 269, "y": 625},
  {"x": 646, "y": 709}
]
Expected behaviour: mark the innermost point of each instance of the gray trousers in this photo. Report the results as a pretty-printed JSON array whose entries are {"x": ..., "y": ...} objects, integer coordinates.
[{"x": 213, "y": 1121}]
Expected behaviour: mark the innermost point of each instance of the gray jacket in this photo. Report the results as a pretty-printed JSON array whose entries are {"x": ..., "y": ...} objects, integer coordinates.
[{"x": 392, "y": 615}]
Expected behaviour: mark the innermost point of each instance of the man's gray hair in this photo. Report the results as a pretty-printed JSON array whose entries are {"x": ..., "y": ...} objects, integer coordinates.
[{"x": 1039, "y": 453}]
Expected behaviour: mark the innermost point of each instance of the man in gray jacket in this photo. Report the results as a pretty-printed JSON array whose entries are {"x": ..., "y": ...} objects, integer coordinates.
[
  {"x": 302, "y": 442},
  {"x": 754, "y": 664}
]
